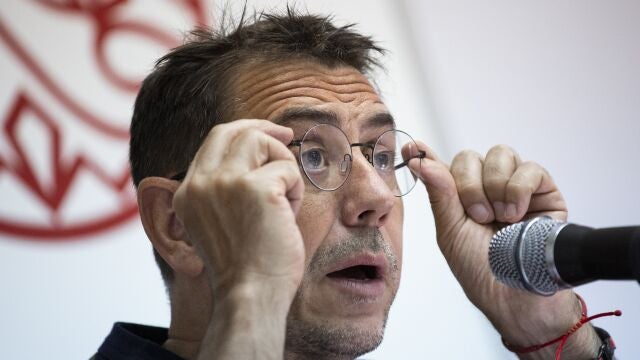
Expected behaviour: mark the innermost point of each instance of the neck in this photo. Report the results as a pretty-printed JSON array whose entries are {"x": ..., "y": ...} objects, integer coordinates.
[
  {"x": 186, "y": 349},
  {"x": 190, "y": 313}
]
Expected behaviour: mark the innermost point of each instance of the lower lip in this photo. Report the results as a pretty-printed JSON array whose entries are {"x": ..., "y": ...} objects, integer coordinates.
[{"x": 371, "y": 288}]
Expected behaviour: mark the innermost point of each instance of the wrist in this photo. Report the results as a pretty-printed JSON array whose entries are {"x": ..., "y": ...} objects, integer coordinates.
[
  {"x": 579, "y": 341},
  {"x": 250, "y": 303},
  {"x": 582, "y": 345},
  {"x": 250, "y": 285},
  {"x": 248, "y": 322},
  {"x": 525, "y": 321}
]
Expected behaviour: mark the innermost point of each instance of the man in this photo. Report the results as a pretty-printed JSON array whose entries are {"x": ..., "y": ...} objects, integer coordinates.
[{"x": 267, "y": 250}]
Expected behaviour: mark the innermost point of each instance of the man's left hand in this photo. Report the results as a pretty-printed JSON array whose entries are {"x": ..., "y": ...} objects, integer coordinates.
[{"x": 471, "y": 200}]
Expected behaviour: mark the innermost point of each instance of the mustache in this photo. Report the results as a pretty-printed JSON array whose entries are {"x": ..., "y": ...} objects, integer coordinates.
[{"x": 359, "y": 240}]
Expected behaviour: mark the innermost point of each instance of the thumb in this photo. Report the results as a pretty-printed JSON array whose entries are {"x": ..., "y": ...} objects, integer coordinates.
[{"x": 441, "y": 187}]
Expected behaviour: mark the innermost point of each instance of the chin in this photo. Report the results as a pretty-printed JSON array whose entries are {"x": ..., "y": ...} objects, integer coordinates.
[
  {"x": 327, "y": 329},
  {"x": 326, "y": 339}
]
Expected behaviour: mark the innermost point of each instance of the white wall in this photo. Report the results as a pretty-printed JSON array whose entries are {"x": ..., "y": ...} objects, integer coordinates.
[
  {"x": 60, "y": 295},
  {"x": 558, "y": 81}
]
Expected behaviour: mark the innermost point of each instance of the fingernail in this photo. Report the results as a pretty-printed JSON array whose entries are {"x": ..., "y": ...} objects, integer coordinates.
[
  {"x": 510, "y": 213},
  {"x": 498, "y": 209},
  {"x": 478, "y": 212}
]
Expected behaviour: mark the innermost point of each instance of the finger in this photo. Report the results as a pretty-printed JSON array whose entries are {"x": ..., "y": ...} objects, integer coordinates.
[
  {"x": 409, "y": 151},
  {"x": 548, "y": 202},
  {"x": 412, "y": 149},
  {"x": 251, "y": 149},
  {"x": 531, "y": 189},
  {"x": 217, "y": 143},
  {"x": 280, "y": 179},
  {"x": 415, "y": 165},
  {"x": 441, "y": 187},
  {"x": 466, "y": 169},
  {"x": 499, "y": 165}
]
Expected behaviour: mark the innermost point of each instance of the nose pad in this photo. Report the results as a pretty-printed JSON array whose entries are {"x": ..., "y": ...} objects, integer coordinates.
[{"x": 345, "y": 165}]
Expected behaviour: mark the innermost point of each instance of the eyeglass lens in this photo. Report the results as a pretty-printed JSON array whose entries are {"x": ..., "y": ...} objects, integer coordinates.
[{"x": 326, "y": 158}]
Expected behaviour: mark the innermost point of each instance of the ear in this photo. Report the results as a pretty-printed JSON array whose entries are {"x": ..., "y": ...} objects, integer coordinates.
[{"x": 164, "y": 229}]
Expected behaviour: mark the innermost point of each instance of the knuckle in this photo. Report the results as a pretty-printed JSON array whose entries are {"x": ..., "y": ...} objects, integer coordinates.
[
  {"x": 272, "y": 195},
  {"x": 221, "y": 185},
  {"x": 534, "y": 167},
  {"x": 194, "y": 188},
  {"x": 494, "y": 185},
  {"x": 248, "y": 134},
  {"x": 496, "y": 168},
  {"x": 519, "y": 188},
  {"x": 292, "y": 165},
  {"x": 530, "y": 164},
  {"x": 250, "y": 139},
  {"x": 494, "y": 173},
  {"x": 244, "y": 184},
  {"x": 220, "y": 181},
  {"x": 501, "y": 149},
  {"x": 466, "y": 155},
  {"x": 219, "y": 130},
  {"x": 291, "y": 157},
  {"x": 469, "y": 189}
]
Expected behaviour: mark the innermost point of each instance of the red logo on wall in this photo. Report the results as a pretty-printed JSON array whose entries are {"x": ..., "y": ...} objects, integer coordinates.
[{"x": 66, "y": 96}]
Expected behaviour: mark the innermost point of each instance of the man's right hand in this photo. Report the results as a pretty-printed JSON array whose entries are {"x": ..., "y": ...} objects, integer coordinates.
[{"x": 238, "y": 203}]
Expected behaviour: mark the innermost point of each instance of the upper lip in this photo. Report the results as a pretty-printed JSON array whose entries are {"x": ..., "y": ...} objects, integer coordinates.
[{"x": 379, "y": 261}]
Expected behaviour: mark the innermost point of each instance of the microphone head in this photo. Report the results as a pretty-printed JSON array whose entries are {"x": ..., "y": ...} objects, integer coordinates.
[{"x": 521, "y": 255}]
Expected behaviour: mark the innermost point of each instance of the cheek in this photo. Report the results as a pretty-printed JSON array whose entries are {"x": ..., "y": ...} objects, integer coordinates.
[
  {"x": 394, "y": 228},
  {"x": 315, "y": 219}
]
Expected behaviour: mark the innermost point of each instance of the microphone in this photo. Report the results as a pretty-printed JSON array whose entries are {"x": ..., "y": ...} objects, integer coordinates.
[{"x": 543, "y": 255}]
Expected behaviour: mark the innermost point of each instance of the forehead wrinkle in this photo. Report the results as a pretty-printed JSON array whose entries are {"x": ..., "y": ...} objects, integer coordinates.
[
  {"x": 279, "y": 72},
  {"x": 260, "y": 73},
  {"x": 268, "y": 88},
  {"x": 336, "y": 84},
  {"x": 309, "y": 91},
  {"x": 311, "y": 81},
  {"x": 278, "y": 105}
]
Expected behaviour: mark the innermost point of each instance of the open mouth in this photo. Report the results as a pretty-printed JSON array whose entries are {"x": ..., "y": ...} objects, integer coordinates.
[{"x": 358, "y": 272}]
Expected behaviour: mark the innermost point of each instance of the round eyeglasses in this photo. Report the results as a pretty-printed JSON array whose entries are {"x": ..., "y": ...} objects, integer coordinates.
[{"x": 326, "y": 157}]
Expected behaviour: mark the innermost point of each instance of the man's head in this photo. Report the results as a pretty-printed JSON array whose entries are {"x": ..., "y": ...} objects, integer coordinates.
[{"x": 297, "y": 71}]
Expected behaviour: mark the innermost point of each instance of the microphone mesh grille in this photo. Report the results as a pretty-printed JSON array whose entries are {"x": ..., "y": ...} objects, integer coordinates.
[
  {"x": 505, "y": 248},
  {"x": 502, "y": 256}
]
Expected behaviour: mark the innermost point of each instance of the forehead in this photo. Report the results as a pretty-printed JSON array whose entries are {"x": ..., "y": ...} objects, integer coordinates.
[{"x": 299, "y": 91}]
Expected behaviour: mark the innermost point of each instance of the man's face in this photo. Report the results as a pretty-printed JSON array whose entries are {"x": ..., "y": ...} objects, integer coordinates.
[{"x": 353, "y": 235}]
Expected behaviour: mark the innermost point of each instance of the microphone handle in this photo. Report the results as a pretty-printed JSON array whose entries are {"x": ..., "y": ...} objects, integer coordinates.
[{"x": 582, "y": 254}]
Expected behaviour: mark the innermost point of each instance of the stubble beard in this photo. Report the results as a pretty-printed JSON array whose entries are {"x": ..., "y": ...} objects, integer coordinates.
[{"x": 318, "y": 339}]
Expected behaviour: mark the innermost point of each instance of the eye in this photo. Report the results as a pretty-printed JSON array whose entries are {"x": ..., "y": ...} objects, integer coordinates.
[
  {"x": 383, "y": 160},
  {"x": 313, "y": 159}
]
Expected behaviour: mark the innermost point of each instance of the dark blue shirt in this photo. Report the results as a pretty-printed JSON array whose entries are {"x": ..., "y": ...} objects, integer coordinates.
[{"x": 135, "y": 342}]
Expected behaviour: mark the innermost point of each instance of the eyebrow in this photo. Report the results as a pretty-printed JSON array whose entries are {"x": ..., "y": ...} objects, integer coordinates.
[{"x": 291, "y": 115}]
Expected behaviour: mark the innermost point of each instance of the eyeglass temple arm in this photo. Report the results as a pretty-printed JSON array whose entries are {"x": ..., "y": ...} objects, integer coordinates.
[
  {"x": 421, "y": 155},
  {"x": 179, "y": 176}
]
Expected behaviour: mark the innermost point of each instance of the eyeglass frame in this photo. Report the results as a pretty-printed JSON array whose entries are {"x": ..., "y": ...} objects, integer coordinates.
[{"x": 298, "y": 142}]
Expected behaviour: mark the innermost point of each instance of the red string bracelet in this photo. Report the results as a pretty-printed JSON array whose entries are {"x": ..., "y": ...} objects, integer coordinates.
[{"x": 563, "y": 338}]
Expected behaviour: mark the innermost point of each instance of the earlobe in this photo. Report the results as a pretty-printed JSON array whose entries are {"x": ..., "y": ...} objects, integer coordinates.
[{"x": 163, "y": 228}]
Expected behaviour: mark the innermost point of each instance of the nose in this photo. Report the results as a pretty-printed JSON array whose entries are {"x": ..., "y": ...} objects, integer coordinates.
[{"x": 368, "y": 200}]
